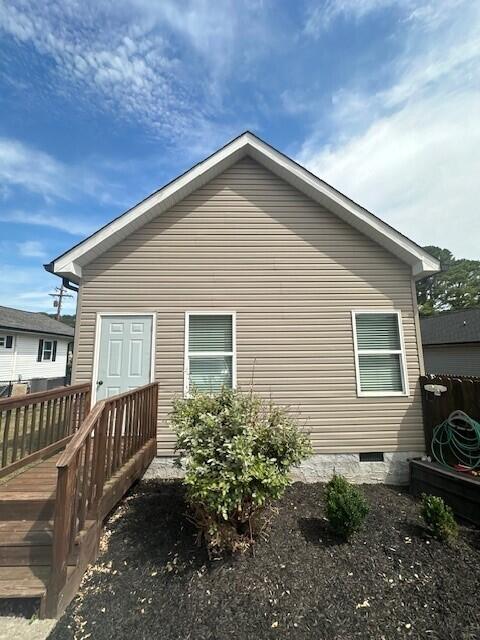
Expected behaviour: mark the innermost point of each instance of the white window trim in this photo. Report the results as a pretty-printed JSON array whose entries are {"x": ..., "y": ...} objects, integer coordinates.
[
  {"x": 401, "y": 352},
  {"x": 233, "y": 353},
  {"x": 47, "y": 341}
]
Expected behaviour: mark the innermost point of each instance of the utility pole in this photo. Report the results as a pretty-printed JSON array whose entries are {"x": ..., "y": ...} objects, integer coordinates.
[{"x": 58, "y": 296}]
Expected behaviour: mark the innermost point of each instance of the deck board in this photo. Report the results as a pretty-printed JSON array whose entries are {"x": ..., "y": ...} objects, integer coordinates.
[
  {"x": 40, "y": 478},
  {"x": 27, "y": 500}
]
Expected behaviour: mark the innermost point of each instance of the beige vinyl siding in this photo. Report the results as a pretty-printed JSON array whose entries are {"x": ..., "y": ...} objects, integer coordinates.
[{"x": 292, "y": 271}]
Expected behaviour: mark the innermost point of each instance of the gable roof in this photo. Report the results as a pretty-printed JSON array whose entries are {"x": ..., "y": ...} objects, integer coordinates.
[
  {"x": 69, "y": 264},
  {"x": 450, "y": 328},
  {"x": 17, "y": 320}
]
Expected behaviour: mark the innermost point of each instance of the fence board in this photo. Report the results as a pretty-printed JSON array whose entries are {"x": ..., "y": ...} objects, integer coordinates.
[{"x": 463, "y": 393}]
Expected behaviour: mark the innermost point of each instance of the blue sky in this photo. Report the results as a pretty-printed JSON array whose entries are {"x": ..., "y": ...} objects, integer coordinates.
[{"x": 103, "y": 102}]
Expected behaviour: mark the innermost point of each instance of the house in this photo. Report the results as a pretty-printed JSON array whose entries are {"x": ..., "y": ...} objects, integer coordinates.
[
  {"x": 451, "y": 343},
  {"x": 33, "y": 350},
  {"x": 248, "y": 270}
]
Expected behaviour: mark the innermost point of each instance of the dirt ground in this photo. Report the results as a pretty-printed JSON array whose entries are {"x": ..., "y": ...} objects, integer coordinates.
[{"x": 392, "y": 581}]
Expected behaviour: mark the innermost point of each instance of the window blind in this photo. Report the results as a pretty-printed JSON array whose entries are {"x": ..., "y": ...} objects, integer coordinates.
[
  {"x": 378, "y": 331},
  {"x": 210, "y": 333},
  {"x": 210, "y": 374},
  {"x": 210, "y": 352},
  {"x": 380, "y": 372},
  {"x": 379, "y": 353}
]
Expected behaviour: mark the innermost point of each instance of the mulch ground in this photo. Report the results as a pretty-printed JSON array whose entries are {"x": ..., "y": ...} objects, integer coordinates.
[{"x": 392, "y": 581}]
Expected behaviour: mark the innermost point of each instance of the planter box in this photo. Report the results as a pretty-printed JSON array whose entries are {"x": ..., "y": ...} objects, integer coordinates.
[{"x": 459, "y": 490}]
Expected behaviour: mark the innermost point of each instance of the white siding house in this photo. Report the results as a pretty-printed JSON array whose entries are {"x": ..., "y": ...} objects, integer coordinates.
[{"x": 32, "y": 346}]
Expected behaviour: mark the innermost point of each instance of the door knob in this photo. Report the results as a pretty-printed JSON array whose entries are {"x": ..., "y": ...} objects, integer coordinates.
[{"x": 99, "y": 382}]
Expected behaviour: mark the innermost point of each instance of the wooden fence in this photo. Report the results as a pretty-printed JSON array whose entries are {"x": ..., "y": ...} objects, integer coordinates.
[
  {"x": 463, "y": 393},
  {"x": 36, "y": 424}
]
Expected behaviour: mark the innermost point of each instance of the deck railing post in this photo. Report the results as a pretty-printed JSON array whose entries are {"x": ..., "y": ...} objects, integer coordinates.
[
  {"x": 87, "y": 403},
  {"x": 155, "y": 411},
  {"x": 61, "y": 538},
  {"x": 102, "y": 427}
]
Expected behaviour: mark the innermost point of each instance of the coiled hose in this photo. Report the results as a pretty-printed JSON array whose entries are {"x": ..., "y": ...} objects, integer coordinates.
[{"x": 457, "y": 436}]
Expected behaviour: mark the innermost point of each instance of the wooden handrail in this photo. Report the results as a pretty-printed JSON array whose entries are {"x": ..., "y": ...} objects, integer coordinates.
[
  {"x": 126, "y": 394},
  {"x": 112, "y": 433},
  {"x": 87, "y": 426},
  {"x": 42, "y": 396},
  {"x": 31, "y": 425},
  {"x": 80, "y": 436}
]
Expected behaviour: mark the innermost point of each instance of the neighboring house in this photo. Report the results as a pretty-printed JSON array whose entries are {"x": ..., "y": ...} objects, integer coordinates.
[
  {"x": 451, "y": 343},
  {"x": 33, "y": 349},
  {"x": 248, "y": 270}
]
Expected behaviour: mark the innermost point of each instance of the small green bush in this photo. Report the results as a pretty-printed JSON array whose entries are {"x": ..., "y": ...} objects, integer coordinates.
[
  {"x": 346, "y": 508},
  {"x": 237, "y": 452},
  {"x": 439, "y": 518}
]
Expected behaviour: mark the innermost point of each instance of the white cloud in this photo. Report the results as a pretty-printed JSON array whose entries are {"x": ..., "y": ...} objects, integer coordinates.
[
  {"x": 409, "y": 153},
  {"x": 28, "y": 288},
  {"x": 76, "y": 226},
  {"x": 154, "y": 63},
  {"x": 321, "y": 15},
  {"x": 417, "y": 169},
  {"x": 431, "y": 13},
  {"x": 31, "y": 249},
  {"x": 31, "y": 169},
  {"x": 22, "y": 166}
]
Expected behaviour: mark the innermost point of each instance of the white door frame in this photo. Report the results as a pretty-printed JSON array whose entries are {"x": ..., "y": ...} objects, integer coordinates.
[{"x": 96, "y": 348}]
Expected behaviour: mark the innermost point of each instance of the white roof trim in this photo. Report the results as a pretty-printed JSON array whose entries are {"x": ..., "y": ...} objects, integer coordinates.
[{"x": 69, "y": 265}]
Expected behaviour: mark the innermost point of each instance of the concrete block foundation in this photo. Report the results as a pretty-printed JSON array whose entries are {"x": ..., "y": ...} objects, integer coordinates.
[{"x": 320, "y": 468}]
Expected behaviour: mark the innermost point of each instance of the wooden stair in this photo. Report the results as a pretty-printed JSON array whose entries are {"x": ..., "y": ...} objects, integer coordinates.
[
  {"x": 27, "y": 505},
  {"x": 27, "y": 508},
  {"x": 53, "y": 507},
  {"x": 24, "y": 582}
]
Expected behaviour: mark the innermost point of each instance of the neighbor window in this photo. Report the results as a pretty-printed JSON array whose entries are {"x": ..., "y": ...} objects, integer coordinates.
[
  {"x": 379, "y": 353},
  {"x": 209, "y": 352},
  {"x": 6, "y": 342},
  {"x": 47, "y": 350}
]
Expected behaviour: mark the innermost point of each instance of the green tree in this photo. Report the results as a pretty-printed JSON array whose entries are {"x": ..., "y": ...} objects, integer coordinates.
[
  {"x": 456, "y": 287},
  {"x": 66, "y": 319}
]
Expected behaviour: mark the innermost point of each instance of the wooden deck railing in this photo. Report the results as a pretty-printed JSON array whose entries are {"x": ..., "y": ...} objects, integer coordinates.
[
  {"x": 36, "y": 424},
  {"x": 112, "y": 433}
]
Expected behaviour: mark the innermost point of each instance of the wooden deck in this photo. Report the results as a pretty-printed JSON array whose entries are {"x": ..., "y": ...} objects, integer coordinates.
[
  {"x": 52, "y": 509},
  {"x": 27, "y": 502}
]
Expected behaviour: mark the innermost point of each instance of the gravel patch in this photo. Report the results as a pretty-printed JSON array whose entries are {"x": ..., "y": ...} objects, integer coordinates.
[{"x": 12, "y": 628}]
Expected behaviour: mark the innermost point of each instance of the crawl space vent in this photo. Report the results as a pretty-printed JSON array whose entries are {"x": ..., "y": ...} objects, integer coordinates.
[{"x": 371, "y": 456}]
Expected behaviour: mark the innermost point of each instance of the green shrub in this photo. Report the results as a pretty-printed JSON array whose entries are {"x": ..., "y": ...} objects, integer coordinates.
[
  {"x": 439, "y": 518},
  {"x": 346, "y": 508},
  {"x": 237, "y": 452}
]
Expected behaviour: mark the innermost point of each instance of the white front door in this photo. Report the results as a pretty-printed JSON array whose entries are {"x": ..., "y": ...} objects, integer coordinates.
[{"x": 124, "y": 354}]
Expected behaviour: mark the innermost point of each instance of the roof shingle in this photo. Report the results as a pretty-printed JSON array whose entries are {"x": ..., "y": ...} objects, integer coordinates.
[
  {"x": 452, "y": 327},
  {"x": 34, "y": 322}
]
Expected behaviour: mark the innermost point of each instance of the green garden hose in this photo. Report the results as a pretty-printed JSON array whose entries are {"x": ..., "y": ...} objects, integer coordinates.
[{"x": 457, "y": 436}]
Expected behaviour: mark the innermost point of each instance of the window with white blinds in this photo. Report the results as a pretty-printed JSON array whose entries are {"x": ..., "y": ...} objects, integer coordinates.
[
  {"x": 379, "y": 353},
  {"x": 209, "y": 352}
]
